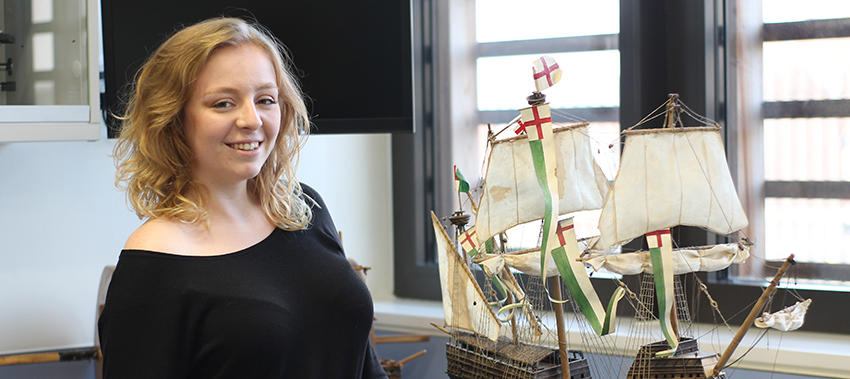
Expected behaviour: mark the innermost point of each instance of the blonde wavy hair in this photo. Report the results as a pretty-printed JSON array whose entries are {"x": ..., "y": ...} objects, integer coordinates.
[{"x": 152, "y": 156}]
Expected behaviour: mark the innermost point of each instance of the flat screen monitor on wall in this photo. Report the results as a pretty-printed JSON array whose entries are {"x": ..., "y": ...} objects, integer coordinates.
[{"x": 354, "y": 57}]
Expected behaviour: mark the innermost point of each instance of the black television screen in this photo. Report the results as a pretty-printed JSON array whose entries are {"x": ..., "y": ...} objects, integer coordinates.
[{"x": 354, "y": 56}]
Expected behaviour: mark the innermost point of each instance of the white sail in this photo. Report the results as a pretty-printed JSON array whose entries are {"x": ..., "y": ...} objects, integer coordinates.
[
  {"x": 512, "y": 195},
  {"x": 686, "y": 260},
  {"x": 464, "y": 304},
  {"x": 786, "y": 320},
  {"x": 670, "y": 177},
  {"x": 526, "y": 261}
]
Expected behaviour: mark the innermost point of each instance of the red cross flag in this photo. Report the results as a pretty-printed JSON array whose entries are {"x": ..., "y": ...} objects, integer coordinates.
[
  {"x": 469, "y": 242},
  {"x": 658, "y": 238},
  {"x": 519, "y": 128},
  {"x": 533, "y": 121},
  {"x": 563, "y": 231},
  {"x": 546, "y": 72}
]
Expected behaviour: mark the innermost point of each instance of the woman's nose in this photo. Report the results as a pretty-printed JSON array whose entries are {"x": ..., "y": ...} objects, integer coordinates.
[{"x": 249, "y": 117}]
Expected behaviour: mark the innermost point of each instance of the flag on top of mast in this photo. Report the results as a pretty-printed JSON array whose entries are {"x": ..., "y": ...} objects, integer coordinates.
[
  {"x": 461, "y": 185},
  {"x": 546, "y": 72}
]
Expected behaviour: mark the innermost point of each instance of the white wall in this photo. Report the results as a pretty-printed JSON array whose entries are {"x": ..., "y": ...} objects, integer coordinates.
[
  {"x": 353, "y": 173},
  {"x": 62, "y": 220}
]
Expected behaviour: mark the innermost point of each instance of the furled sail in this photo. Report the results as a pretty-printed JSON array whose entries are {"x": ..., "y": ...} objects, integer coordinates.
[
  {"x": 685, "y": 260},
  {"x": 786, "y": 320},
  {"x": 464, "y": 304},
  {"x": 670, "y": 177},
  {"x": 525, "y": 261},
  {"x": 512, "y": 195}
]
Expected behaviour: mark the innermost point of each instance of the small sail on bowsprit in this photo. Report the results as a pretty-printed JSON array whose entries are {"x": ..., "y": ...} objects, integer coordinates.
[
  {"x": 464, "y": 304},
  {"x": 786, "y": 320}
]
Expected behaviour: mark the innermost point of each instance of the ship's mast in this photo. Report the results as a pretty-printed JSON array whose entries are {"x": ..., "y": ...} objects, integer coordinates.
[
  {"x": 562, "y": 331},
  {"x": 671, "y": 117},
  {"x": 538, "y": 98},
  {"x": 674, "y": 109}
]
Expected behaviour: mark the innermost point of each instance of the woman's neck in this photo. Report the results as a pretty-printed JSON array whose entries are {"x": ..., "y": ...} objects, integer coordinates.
[{"x": 233, "y": 223}]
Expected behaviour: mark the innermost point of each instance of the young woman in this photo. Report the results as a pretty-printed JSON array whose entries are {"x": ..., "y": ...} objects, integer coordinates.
[{"x": 238, "y": 271}]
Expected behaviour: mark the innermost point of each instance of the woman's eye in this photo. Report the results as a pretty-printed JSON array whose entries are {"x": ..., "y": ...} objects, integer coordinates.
[
  {"x": 221, "y": 104},
  {"x": 267, "y": 101}
]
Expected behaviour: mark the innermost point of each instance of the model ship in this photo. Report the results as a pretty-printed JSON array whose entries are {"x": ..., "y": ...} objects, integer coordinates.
[
  {"x": 479, "y": 349},
  {"x": 669, "y": 176}
]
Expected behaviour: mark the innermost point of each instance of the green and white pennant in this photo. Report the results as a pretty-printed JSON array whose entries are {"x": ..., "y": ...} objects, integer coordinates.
[
  {"x": 661, "y": 252},
  {"x": 536, "y": 122},
  {"x": 575, "y": 277}
]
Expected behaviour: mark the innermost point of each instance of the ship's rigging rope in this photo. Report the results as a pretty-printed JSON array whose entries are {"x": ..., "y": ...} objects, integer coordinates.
[
  {"x": 748, "y": 350},
  {"x": 677, "y": 121}
]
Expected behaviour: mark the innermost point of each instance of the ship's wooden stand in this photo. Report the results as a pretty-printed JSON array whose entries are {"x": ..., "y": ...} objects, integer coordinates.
[
  {"x": 688, "y": 362},
  {"x": 472, "y": 357}
]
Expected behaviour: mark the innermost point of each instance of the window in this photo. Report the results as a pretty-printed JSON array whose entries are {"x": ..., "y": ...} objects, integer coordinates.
[
  {"x": 805, "y": 60},
  {"x": 586, "y": 51},
  {"x": 474, "y": 68},
  {"x": 48, "y": 90},
  {"x": 583, "y": 39}
]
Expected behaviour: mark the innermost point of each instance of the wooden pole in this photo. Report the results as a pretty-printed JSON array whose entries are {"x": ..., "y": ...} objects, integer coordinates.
[
  {"x": 472, "y": 203},
  {"x": 442, "y": 329},
  {"x": 414, "y": 356},
  {"x": 401, "y": 338},
  {"x": 674, "y": 320},
  {"x": 51, "y": 356},
  {"x": 668, "y": 114},
  {"x": 562, "y": 332},
  {"x": 752, "y": 316}
]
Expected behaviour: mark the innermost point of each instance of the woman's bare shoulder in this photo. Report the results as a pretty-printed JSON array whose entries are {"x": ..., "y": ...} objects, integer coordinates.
[{"x": 157, "y": 235}]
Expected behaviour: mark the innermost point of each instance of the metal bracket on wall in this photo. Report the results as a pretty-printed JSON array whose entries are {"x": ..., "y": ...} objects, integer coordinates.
[
  {"x": 7, "y": 66},
  {"x": 7, "y": 38}
]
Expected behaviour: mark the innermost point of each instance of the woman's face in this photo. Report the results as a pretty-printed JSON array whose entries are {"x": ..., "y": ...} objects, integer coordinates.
[{"x": 232, "y": 118}]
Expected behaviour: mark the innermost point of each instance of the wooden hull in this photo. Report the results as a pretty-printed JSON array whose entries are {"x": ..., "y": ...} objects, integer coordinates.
[
  {"x": 688, "y": 362},
  {"x": 478, "y": 358}
]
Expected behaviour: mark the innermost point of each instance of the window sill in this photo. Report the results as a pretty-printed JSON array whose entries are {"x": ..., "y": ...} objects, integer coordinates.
[
  {"x": 39, "y": 132},
  {"x": 800, "y": 352}
]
